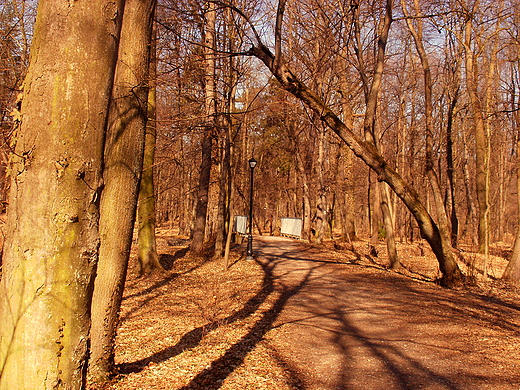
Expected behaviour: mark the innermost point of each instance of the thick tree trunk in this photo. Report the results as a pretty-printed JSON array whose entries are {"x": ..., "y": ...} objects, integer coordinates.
[
  {"x": 345, "y": 200},
  {"x": 52, "y": 229},
  {"x": 371, "y": 156},
  {"x": 348, "y": 200},
  {"x": 123, "y": 165}
]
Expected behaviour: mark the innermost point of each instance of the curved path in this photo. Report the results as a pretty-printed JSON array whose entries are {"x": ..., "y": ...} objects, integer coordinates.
[{"x": 352, "y": 326}]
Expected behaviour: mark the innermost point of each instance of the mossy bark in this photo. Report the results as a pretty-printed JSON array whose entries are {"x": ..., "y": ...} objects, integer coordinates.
[{"x": 52, "y": 228}]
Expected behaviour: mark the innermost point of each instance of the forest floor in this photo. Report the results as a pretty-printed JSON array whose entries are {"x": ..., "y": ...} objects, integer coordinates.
[{"x": 302, "y": 316}]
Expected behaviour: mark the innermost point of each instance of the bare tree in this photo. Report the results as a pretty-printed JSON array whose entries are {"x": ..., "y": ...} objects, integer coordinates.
[{"x": 366, "y": 151}]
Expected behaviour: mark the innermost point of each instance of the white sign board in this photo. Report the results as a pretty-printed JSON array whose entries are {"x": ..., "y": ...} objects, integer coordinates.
[
  {"x": 291, "y": 227},
  {"x": 241, "y": 224}
]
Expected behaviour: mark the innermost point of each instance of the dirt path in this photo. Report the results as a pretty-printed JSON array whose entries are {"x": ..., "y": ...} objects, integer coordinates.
[
  {"x": 346, "y": 326},
  {"x": 307, "y": 317}
]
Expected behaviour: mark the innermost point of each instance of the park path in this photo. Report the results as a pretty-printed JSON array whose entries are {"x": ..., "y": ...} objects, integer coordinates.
[{"x": 356, "y": 326}]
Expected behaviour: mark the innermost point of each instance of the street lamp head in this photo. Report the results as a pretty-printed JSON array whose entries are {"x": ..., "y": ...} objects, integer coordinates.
[{"x": 252, "y": 163}]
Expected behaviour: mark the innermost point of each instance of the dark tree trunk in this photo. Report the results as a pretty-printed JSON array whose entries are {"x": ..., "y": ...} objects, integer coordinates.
[{"x": 201, "y": 210}]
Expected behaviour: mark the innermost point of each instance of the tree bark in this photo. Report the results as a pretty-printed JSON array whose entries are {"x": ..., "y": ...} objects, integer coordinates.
[
  {"x": 389, "y": 218},
  {"x": 481, "y": 139},
  {"x": 302, "y": 174},
  {"x": 321, "y": 201},
  {"x": 201, "y": 211},
  {"x": 123, "y": 165},
  {"x": 223, "y": 194},
  {"x": 450, "y": 170},
  {"x": 346, "y": 176},
  {"x": 52, "y": 229},
  {"x": 146, "y": 241}
]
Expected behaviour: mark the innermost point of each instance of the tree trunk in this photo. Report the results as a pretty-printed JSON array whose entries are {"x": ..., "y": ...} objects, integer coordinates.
[
  {"x": 348, "y": 200},
  {"x": 450, "y": 170},
  {"x": 230, "y": 183},
  {"x": 52, "y": 229},
  {"x": 389, "y": 219},
  {"x": 417, "y": 34},
  {"x": 321, "y": 202},
  {"x": 123, "y": 165},
  {"x": 222, "y": 197},
  {"x": 146, "y": 241},
  {"x": 374, "y": 212},
  {"x": 481, "y": 139},
  {"x": 345, "y": 174},
  {"x": 201, "y": 211},
  {"x": 302, "y": 174}
]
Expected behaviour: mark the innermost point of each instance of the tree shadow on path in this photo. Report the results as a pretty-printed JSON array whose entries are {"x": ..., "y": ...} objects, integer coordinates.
[
  {"x": 212, "y": 377},
  {"x": 222, "y": 367}
]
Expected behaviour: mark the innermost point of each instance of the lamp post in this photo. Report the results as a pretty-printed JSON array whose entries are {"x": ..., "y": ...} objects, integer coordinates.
[{"x": 249, "y": 253}]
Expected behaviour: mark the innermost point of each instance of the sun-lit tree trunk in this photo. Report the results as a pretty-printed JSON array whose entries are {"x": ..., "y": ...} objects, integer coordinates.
[
  {"x": 374, "y": 212},
  {"x": 345, "y": 200},
  {"x": 232, "y": 133},
  {"x": 147, "y": 256},
  {"x": 389, "y": 219},
  {"x": 481, "y": 138},
  {"x": 346, "y": 176},
  {"x": 52, "y": 230},
  {"x": 201, "y": 210},
  {"x": 123, "y": 162},
  {"x": 321, "y": 201}
]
